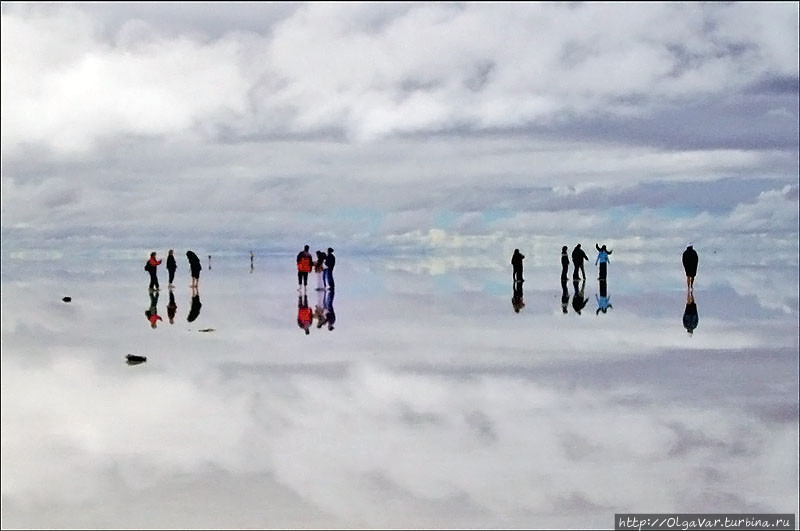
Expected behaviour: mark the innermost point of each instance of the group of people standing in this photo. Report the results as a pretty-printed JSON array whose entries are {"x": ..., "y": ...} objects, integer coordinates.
[
  {"x": 152, "y": 312},
  {"x": 689, "y": 259},
  {"x": 323, "y": 312},
  {"x": 322, "y": 266},
  {"x": 152, "y": 267},
  {"x": 578, "y": 257}
]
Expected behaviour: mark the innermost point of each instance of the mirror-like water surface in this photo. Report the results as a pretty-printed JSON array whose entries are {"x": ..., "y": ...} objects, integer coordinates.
[{"x": 420, "y": 396}]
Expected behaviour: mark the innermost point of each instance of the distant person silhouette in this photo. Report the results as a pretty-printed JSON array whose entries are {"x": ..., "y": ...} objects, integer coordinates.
[
  {"x": 194, "y": 311},
  {"x": 603, "y": 301},
  {"x": 564, "y": 295},
  {"x": 194, "y": 267},
  {"x": 330, "y": 315},
  {"x": 304, "y": 314},
  {"x": 690, "y": 317},
  {"x": 578, "y": 300},
  {"x": 152, "y": 312},
  {"x": 251, "y": 261},
  {"x": 517, "y": 301},
  {"x": 564, "y": 263},
  {"x": 602, "y": 258},
  {"x": 152, "y": 264},
  {"x": 304, "y": 263},
  {"x": 171, "y": 308},
  {"x": 209, "y": 262},
  {"x": 689, "y": 259},
  {"x": 578, "y": 256},
  {"x": 171, "y": 267},
  {"x": 516, "y": 265},
  {"x": 330, "y": 263}
]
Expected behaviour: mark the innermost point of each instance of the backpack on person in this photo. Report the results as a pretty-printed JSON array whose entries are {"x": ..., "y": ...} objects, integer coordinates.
[{"x": 147, "y": 266}]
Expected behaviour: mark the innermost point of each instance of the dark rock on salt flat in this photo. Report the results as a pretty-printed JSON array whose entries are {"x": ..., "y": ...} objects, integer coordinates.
[{"x": 133, "y": 359}]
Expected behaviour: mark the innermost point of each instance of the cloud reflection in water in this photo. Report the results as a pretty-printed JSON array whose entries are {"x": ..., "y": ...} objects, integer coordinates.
[{"x": 428, "y": 406}]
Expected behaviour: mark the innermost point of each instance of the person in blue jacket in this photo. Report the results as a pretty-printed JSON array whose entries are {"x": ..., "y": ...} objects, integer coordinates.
[
  {"x": 602, "y": 258},
  {"x": 604, "y": 300}
]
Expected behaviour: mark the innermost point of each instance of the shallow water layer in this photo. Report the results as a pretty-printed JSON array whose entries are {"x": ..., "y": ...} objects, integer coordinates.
[{"x": 428, "y": 402}]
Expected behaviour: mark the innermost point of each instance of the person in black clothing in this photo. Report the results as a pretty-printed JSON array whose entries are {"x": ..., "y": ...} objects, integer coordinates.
[
  {"x": 578, "y": 256},
  {"x": 171, "y": 267},
  {"x": 564, "y": 263},
  {"x": 690, "y": 266},
  {"x": 171, "y": 307},
  {"x": 194, "y": 266},
  {"x": 564, "y": 295},
  {"x": 517, "y": 298},
  {"x": 690, "y": 317},
  {"x": 578, "y": 301},
  {"x": 194, "y": 311},
  {"x": 516, "y": 264},
  {"x": 330, "y": 262},
  {"x": 330, "y": 315}
]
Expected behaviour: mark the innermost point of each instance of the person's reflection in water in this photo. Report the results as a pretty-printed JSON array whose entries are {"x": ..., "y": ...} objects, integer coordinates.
[
  {"x": 603, "y": 301},
  {"x": 194, "y": 311},
  {"x": 690, "y": 317},
  {"x": 330, "y": 315},
  {"x": 152, "y": 312},
  {"x": 319, "y": 309},
  {"x": 578, "y": 300},
  {"x": 171, "y": 307},
  {"x": 304, "y": 314},
  {"x": 564, "y": 295},
  {"x": 517, "y": 301}
]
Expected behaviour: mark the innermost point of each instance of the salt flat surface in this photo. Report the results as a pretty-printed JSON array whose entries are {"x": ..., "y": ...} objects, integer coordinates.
[{"x": 431, "y": 402}]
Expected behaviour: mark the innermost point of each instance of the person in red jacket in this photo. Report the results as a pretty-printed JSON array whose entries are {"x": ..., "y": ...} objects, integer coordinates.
[
  {"x": 304, "y": 314},
  {"x": 304, "y": 263},
  {"x": 152, "y": 312},
  {"x": 152, "y": 264}
]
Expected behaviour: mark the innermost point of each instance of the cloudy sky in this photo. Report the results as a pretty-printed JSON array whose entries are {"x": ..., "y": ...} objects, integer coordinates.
[{"x": 404, "y": 127}]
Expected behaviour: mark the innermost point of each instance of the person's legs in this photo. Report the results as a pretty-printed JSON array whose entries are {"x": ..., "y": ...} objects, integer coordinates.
[
  {"x": 330, "y": 279},
  {"x": 153, "y": 280},
  {"x": 171, "y": 275}
]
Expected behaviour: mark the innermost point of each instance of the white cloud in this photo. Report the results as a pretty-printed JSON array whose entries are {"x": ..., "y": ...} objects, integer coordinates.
[{"x": 374, "y": 73}]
